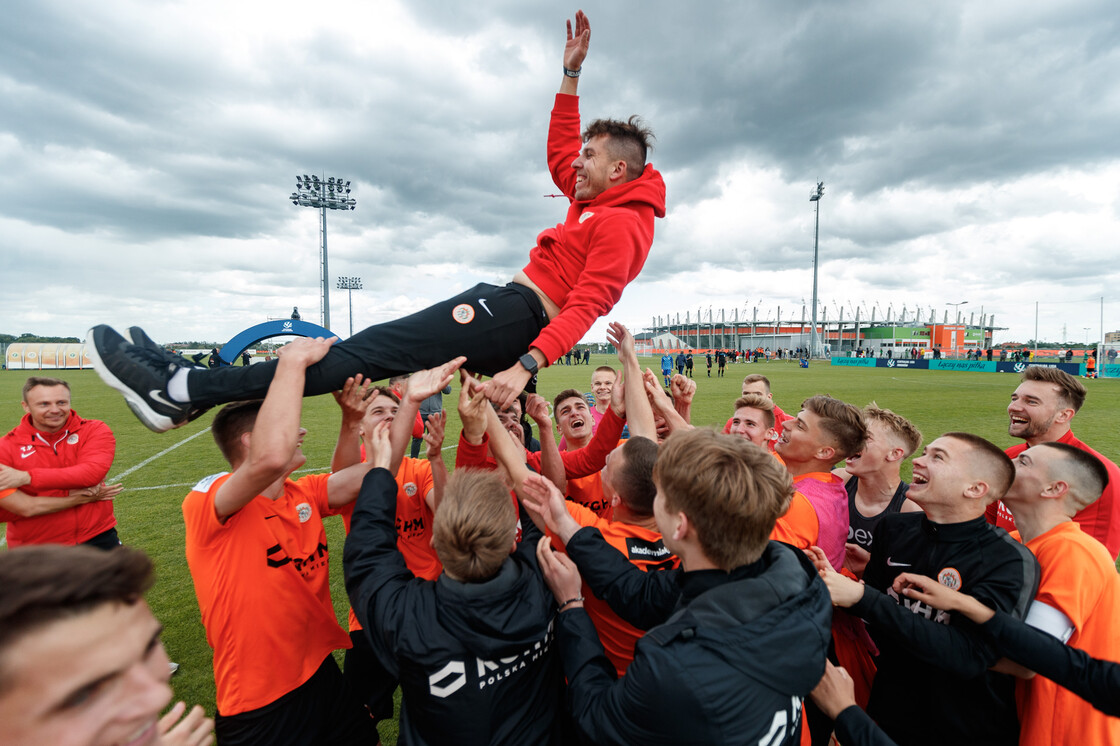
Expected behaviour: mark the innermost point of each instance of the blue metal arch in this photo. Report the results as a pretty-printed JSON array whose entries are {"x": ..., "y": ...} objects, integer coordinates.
[{"x": 241, "y": 341}]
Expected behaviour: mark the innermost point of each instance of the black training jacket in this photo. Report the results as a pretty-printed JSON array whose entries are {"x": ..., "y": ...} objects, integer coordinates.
[
  {"x": 933, "y": 685},
  {"x": 475, "y": 660},
  {"x": 731, "y": 665}
]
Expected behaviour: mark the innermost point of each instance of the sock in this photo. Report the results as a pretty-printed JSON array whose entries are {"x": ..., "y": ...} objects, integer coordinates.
[{"x": 177, "y": 386}]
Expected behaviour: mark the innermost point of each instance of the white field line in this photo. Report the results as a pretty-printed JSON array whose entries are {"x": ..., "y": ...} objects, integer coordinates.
[{"x": 117, "y": 478}]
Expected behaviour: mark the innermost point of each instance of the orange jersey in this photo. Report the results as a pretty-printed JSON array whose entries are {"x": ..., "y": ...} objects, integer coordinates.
[
  {"x": 263, "y": 587},
  {"x": 588, "y": 492},
  {"x": 647, "y": 552},
  {"x": 1079, "y": 580},
  {"x": 414, "y": 522}
]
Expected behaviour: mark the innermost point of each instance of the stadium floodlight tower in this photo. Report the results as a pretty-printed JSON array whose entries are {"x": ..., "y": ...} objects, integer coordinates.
[
  {"x": 329, "y": 194},
  {"x": 814, "y": 341},
  {"x": 350, "y": 284},
  {"x": 957, "y": 309}
]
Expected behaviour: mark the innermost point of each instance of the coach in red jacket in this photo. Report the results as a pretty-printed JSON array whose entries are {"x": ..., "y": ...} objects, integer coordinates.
[{"x": 55, "y": 460}]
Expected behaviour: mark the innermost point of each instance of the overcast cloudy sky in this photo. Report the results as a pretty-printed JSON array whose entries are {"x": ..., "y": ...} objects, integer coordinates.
[{"x": 147, "y": 150}]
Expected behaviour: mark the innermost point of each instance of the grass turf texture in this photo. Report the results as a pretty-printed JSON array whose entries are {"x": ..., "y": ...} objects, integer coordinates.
[{"x": 149, "y": 516}]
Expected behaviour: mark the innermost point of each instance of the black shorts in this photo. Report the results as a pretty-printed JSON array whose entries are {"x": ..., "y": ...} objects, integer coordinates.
[
  {"x": 492, "y": 326},
  {"x": 322, "y": 710}
]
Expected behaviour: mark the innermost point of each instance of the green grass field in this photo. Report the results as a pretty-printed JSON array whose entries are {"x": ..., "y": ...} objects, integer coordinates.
[{"x": 158, "y": 470}]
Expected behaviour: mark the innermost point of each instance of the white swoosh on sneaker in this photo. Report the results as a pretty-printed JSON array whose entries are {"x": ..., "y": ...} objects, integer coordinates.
[
  {"x": 157, "y": 395},
  {"x": 897, "y": 564}
]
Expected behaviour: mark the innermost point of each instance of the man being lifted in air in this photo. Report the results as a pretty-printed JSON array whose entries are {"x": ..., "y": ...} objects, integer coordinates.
[{"x": 576, "y": 273}]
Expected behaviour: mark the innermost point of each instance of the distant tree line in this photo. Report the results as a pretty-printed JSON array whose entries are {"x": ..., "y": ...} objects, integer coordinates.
[{"x": 7, "y": 339}]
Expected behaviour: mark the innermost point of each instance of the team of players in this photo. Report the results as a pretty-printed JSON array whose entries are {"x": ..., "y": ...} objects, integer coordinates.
[{"x": 660, "y": 568}]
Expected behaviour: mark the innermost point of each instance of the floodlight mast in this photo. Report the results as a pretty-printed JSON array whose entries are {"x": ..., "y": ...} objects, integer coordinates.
[
  {"x": 350, "y": 284},
  {"x": 814, "y": 341},
  {"x": 324, "y": 194}
]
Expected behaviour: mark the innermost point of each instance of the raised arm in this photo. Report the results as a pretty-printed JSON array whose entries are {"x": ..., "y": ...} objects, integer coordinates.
[
  {"x": 575, "y": 51},
  {"x": 433, "y": 438},
  {"x": 639, "y": 413},
  {"x": 276, "y": 434},
  {"x": 551, "y": 462},
  {"x": 351, "y": 400}
]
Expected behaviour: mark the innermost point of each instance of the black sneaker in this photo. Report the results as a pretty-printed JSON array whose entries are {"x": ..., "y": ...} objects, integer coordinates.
[
  {"x": 140, "y": 338},
  {"x": 141, "y": 374}
]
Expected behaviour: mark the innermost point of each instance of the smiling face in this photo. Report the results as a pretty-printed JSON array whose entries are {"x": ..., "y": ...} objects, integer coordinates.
[
  {"x": 876, "y": 449},
  {"x": 602, "y": 384},
  {"x": 941, "y": 473},
  {"x": 49, "y": 407},
  {"x": 93, "y": 679},
  {"x": 1036, "y": 412},
  {"x": 594, "y": 167},
  {"x": 802, "y": 438},
  {"x": 573, "y": 417},
  {"x": 510, "y": 417},
  {"x": 749, "y": 423}
]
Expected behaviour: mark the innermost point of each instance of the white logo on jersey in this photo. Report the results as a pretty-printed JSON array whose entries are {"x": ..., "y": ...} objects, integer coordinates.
[
  {"x": 410, "y": 488},
  {"x": 304, "y": 512},
  {"x": 585, "y": 216},
  {"x": 72, "y": 439},
  {"x": 455, "y": 668},
  {"x": 482, "y": 302}
]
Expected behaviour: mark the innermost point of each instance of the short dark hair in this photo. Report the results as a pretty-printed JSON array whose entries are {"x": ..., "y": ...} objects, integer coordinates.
[
  {"x": 1070, "y": 391},
  {"x": 1083, "y": 472},
  {"x": 231, "y": 422},
  {"x": 840, "y": 420},
  {"x": 756, "y": 377},
  {"x": 996, "y": 467},
  {"x": 629, "y": 141},
  {"x": 635, "y": 480},
  {"x": 374, "y": 391},
  {"x": 565, "y": 395},
  {"x": 34, "y": 381},
  {"x": 42, "y": 584}
]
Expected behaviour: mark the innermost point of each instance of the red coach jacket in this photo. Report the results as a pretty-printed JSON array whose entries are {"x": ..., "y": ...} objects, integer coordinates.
[{"x": 78, "y": 455}]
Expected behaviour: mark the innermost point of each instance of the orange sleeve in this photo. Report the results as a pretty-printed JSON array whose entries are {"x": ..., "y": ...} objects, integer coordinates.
[{"x": 799, "y": 526}]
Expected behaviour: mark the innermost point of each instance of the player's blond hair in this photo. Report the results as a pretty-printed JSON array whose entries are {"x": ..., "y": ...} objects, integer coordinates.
[
  {"x": 759, "y": 402},
  {"x": 909, "y": 436},
  {"x": 475, "y": 525}
]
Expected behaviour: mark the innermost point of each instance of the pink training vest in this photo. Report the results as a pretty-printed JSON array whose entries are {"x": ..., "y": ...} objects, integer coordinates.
[{"x": 830, "y": 501}]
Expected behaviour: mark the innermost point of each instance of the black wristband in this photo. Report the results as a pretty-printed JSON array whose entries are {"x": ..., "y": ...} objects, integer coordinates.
[
  {"x": 572, "y": 73},
  {"x": 570, "y": 601}
]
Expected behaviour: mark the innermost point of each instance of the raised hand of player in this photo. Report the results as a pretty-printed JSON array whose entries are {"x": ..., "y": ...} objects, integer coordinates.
[
  {"x": 540, "y": 497},
  {"x": 425, "y": 383},
  {"x": 658, "y": 399},
  {"x": 623, "y": 341},
  {"x": 379, "y": 451},
  {"x": 575, "y": 50},
  {"x": 472, "y": 399},
  {"x": 193, "y": 730},
  {"x": 305, "y": 351},
  {"x": 836, "y": 691},
  {"x": 618, "y": 395},
  {"x": 504, "y": 388},
  {"x": 560, "y": 573},
  {"x": 536, "y": 406},
  {"x": 351, "y": 398},
  {"x": 682, "y": 388},
  {"x": 930, "y": 592},
  {"x": 433, "y": 437}
]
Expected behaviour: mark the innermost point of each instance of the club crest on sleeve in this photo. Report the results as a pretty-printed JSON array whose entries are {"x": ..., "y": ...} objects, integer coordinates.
[
  {"x": 463, "y": 313},
  {"x": 950, "y": 578}
]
